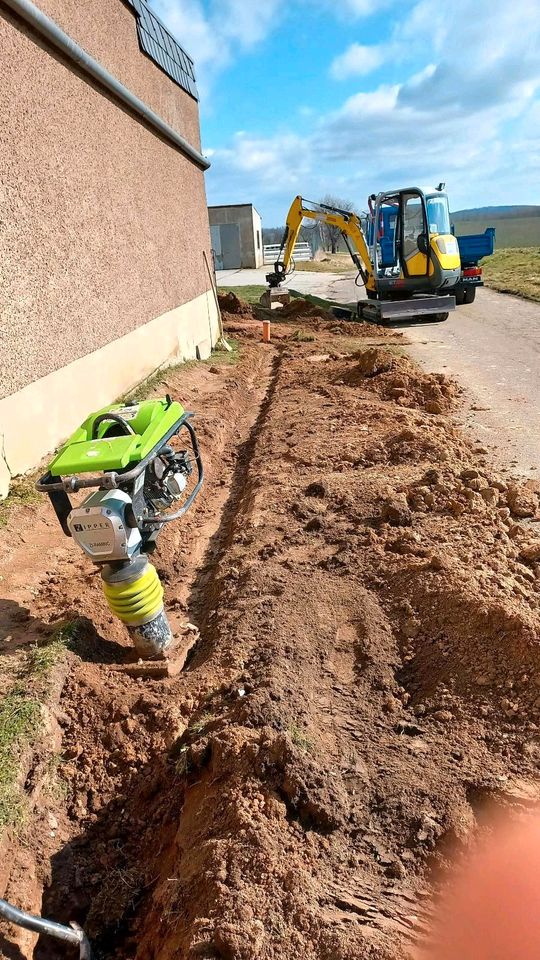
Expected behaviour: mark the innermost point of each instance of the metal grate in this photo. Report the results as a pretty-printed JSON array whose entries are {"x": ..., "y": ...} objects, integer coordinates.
[{"x": 160, "y": 45}]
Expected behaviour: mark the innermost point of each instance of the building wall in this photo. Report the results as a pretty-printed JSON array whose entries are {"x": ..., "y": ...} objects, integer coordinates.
[
  {"x": 257, "y": 234},
  {"x": 247, "y": 219},
  {"x": 103, "y": 224}
]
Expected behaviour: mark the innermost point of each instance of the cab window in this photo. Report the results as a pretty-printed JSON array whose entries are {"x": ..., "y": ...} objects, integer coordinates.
[{"x": 438, "y": 215}]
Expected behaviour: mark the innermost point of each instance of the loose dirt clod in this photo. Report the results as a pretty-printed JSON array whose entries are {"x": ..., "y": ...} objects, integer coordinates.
[
  {"x": 363, "y": 690},
  {"x": 230, "y": 303}
]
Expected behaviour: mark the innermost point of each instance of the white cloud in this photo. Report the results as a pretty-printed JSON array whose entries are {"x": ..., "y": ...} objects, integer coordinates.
[
  {"x": 216, "y": 33},
  {"x": 357, "y": 60},
  {"x": 357, "y": 9},
  {"x": 245, "y": 23},
  {"x": 214, "y": 38}
]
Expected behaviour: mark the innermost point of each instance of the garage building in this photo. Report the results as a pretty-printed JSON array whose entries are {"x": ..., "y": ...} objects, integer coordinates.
[{"x": 236, "y": 230}]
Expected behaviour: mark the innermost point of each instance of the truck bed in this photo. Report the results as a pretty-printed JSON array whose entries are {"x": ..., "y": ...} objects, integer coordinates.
[{"x": 475, "y": 246}]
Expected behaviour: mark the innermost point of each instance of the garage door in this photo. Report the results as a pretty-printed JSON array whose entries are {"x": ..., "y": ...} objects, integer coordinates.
[{"x": 226, "y": 246}]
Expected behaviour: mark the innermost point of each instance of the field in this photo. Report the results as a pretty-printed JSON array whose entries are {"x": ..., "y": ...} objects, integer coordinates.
[
  {"x": 510, "y": 231},
  {"x": 514, "y": 271},
  {"x": 331, "y": 263}
]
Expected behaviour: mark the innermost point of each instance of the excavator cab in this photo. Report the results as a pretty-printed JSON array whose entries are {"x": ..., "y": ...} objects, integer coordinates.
[{"x": 412, "y": 247}]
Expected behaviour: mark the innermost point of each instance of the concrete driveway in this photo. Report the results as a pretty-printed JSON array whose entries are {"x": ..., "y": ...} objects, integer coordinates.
[
  {"x": 327, "y": 285},
  {"x": 493, "y": 348}
]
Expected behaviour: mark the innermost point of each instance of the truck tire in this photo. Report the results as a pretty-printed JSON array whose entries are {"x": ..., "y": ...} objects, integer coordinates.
[
  {"x": 460, "y": 295},
  {"x": 470, "y": 294}
]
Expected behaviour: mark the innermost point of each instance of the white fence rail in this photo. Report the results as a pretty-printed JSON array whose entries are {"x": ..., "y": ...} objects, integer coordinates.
[{"x": 302, "y": 251}]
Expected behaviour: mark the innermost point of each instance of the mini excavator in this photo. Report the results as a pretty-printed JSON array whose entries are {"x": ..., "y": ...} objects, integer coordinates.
[{"x": 412, "y": 276}]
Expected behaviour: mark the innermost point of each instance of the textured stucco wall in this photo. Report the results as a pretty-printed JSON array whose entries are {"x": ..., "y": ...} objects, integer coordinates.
[
  {"x": 102, "y": 223},
  {"x": 244, "y": 216}
]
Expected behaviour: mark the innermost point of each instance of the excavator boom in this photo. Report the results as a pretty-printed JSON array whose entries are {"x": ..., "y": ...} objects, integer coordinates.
[{"x": 345, "y": 221}]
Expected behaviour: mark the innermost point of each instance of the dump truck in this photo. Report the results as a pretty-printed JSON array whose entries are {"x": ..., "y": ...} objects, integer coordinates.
[{"x": 472, "y": 249}]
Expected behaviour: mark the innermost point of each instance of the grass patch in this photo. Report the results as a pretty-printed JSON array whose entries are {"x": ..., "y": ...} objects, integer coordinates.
[
  {"x": 300, "y": 739},
  {"x": 182, "y": 766},
  {"x": 19, "y": 721},
  {"x": 226, "y": 356},
  {"x": 511, "y": 231},
  {"x": 514, "y": 271},
  {"x": 250, "y": 293},
  {"x": 201, "y": 723},
  {"x": 21, "y": 717},
  {"x": 302, "y": 337},
  {"x": 22, "y": 492},
  {"x": 43, "y": 658}
]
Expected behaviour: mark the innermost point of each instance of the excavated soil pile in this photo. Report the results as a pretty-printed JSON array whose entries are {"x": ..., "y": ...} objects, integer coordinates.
[
  {"x": 364, "y": 688},
  {"x": 398, "y": 378},
  {"x": 298, "y": 307},
  {"x": 311, "y": 316},
  {"x": 230, "y": 303}
]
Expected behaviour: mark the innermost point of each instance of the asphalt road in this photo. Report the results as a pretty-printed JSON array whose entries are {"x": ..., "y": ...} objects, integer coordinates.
[{"x": 492, "y": 347}]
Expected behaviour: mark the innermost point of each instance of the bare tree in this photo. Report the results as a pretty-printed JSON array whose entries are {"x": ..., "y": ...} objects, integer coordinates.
[
  {"x": 331, "y": 236},
  {"x": 272, "y": 234},
  {"x": 308, "y": 234}
]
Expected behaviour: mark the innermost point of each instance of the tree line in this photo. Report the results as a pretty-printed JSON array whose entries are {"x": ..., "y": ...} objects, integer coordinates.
[{"x": 320, "y": 236}]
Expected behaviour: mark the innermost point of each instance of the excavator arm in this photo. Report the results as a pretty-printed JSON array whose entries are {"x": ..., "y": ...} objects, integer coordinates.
[{"x": 345, "y": 221}]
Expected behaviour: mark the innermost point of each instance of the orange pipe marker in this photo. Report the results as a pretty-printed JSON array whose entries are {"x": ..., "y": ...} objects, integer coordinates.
[{"x": 266, "y": 331}]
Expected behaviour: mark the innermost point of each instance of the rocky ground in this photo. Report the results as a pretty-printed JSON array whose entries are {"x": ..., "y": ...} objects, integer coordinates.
[{"x": 364, "y": 691}]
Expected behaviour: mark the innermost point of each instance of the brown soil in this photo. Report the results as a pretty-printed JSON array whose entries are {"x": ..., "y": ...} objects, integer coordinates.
[
  {"x": 230, "y": 303},
  {"x": 298, "y": 315},
  {"x": 298, "y": 307},
  {"x": 365, "y": 684}
]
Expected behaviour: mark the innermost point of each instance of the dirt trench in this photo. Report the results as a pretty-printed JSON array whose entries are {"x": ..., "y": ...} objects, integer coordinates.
[{"x": 363, "y": 691}]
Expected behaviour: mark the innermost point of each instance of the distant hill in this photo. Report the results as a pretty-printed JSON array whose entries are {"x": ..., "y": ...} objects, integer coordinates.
[
  {"x": 505, "y": 212},
  {"x": 516, "y": 226}
]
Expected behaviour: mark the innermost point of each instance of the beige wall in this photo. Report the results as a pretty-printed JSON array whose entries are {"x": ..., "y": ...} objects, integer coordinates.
[
  {"x": 102, "y": 223},
  {"x": 257, "y": 234}
]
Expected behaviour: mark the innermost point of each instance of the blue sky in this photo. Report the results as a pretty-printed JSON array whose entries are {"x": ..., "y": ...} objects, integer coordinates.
[{"x": 355, "y": 96}]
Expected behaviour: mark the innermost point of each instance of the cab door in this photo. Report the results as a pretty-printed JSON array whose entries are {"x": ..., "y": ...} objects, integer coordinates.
[{"x": 415, "y": 260}]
